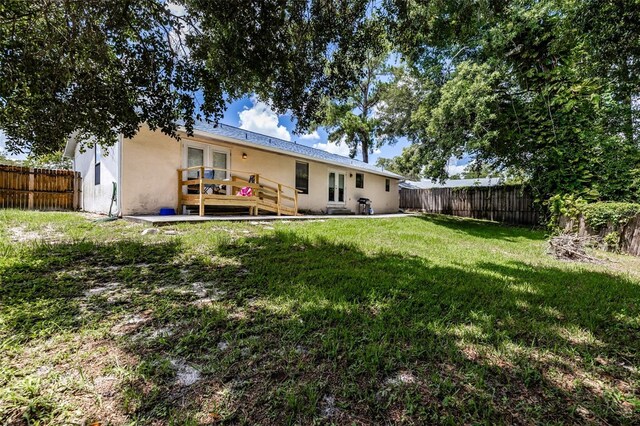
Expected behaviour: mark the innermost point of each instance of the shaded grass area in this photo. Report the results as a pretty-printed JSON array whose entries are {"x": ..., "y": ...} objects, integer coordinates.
[{"x": 413, "y": 320}]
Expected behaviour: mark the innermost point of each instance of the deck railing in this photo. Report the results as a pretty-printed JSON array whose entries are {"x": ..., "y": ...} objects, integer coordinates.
[{"x": 267, "y": 194}]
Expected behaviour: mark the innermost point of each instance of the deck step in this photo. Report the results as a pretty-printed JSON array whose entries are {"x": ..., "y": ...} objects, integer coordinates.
[
  {"x": 339, "y": 211},
  {"x": 273, "y": 208}
]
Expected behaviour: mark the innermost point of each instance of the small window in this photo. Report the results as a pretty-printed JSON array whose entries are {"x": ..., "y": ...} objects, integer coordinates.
[
  {"x": 98, "y": 160},
  {"x": 359, "y": 180},
  {"x": 387, "y": 184},
  {"x": 302, "y": 177}
]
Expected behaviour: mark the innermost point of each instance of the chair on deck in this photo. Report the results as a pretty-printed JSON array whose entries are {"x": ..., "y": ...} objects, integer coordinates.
[{"x": 208, "y": 188}]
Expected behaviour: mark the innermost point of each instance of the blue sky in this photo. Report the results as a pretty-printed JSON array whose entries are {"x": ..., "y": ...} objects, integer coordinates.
[
  {"x": 2, "y": 145},
  {"x": 248, "y": 113}
]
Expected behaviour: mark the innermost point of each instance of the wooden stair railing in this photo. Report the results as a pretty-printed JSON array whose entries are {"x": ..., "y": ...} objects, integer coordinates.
[{"x": 273, "y": 198}]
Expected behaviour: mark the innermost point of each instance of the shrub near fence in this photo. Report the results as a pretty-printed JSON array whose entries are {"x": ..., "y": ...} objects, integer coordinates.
[
  {"x": 627, "y": 234},
  {"x": 509, "y": 204},
  {"x": 614, "y": 225},
  {"x": 39, "y": 189}
]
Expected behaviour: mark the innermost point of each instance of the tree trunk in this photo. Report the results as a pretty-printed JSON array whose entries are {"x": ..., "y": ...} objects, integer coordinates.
[
  {"x": 365, "y": 148},
  {"x": 365, "y": 135}
]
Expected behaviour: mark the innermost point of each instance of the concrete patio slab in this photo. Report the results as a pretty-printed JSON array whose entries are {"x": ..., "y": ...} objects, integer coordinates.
[{"x": 168, "y": 220}]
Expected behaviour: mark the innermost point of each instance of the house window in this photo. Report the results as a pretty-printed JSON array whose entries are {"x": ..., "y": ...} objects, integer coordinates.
[
  {"x": 387, "y": 184},
  {"x": 359, "y": 180},
  {"x": 98, "y": 160},
  {"x": 302, "y": 177}
]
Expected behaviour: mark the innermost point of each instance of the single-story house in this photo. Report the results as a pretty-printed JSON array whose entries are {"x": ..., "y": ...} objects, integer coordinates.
[{"x": 220, "y": 168}]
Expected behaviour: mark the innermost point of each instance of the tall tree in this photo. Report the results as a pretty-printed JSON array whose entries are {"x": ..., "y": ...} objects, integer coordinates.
[
  {"x": 104, "y": 67},
  {"x": 352, "y": 119},
  {"x": 404, "y": 164},
  {"x": 508, "y": 83}
]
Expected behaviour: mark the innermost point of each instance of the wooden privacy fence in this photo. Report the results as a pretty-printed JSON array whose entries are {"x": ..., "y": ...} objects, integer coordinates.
[
  {"x": 39, "y": 189},
  {"x": 508, "y": 204}
]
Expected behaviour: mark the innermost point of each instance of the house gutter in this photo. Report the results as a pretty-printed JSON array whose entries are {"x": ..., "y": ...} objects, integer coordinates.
[{"x": 70, "y": 146}]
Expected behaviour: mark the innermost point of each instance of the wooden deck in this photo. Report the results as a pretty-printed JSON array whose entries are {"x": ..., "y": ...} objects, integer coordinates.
[{"x": 267, "y": 195}]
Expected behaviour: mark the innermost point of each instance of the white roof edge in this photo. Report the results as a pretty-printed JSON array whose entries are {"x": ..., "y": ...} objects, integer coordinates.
[
  {"x": 70, "y": 146},
  {"x": 289, "y": 153}
]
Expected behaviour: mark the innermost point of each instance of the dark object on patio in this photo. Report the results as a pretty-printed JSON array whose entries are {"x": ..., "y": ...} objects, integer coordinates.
[
  {"x": 365, "y": 206},
  {"x": 167, "y": 211}
]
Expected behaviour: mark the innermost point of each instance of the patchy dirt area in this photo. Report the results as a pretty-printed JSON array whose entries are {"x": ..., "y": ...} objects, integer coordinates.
[
  {"x": 21, "y": 234},
  {"x": 186, "y": 375},
  {"x": 73, "y": 381}
]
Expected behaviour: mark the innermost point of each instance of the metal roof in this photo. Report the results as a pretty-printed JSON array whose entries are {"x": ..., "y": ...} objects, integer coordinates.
[
  {"x": 451, "y": 183},
  {"x": 247, "y": 137}
]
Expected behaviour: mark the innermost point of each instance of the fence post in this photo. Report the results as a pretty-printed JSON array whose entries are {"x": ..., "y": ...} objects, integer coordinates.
[
  {"x": 32, "y": 185},
  {"x": 76, "y": 191},
  {"x": 201, "y": 190},
  {"x": 279, "y": 201},
  {"x": 179, "y": 206}
]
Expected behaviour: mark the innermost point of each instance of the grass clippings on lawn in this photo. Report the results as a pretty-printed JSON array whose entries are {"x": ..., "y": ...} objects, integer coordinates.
[{"x": 423, "y": 320}]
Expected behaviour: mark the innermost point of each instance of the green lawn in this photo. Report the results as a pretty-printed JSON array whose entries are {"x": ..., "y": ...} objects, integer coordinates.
[{"x": 421, "y": 320}]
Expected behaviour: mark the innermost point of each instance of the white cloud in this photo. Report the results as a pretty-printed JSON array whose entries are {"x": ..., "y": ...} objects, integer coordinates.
[
  {"x": 333, "y": 148},
  {"x": 454, "y": 167},
  {"x": 310, "y": 136},
  {"x": 176, "y": 9},
  {"x": 177, "y": 35},
  {"x": 375, "y": 111},
  {"x": 454, "y": 170},
  {"x": 340, "y": 148},
  {"x": 261, "y": 119}
]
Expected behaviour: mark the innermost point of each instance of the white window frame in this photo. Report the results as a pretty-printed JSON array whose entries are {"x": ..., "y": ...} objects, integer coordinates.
[
  {"x": 337, "y": 203},
  {"x": 208, "y": 150},
  {"x": 308, "y": 177}
]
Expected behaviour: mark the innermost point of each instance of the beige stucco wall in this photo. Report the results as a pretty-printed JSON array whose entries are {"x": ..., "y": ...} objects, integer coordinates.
[
  {"x": 149, "y": 172},
  {"x": 151, "y": 159}
]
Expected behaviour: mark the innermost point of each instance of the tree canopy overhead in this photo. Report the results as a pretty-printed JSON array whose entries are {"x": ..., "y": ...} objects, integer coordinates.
[
  {"x": 545, "y": 88},
  {"x": 98, "y": 67},
  {"x": 104, "y": 67}
]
